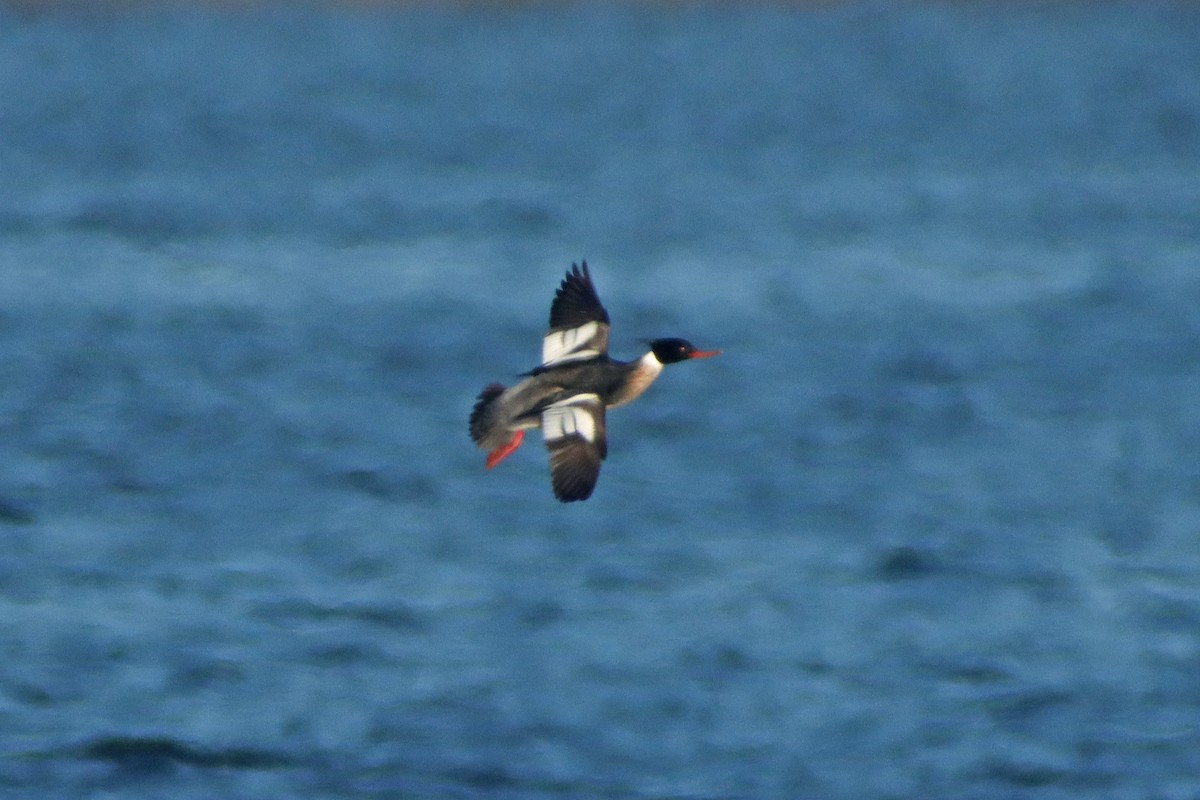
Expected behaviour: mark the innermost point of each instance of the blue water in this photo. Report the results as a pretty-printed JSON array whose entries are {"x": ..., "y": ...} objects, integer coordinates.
[{"x": 929, "y": 528}]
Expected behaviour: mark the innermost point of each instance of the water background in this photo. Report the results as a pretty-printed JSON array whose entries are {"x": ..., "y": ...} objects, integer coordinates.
[{"x": 930, "y": 527}]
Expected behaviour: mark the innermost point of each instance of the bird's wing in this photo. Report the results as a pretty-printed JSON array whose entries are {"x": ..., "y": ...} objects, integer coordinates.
[
  {"x": 578, "y": 321},
  {"x": 573, "y": 429}
]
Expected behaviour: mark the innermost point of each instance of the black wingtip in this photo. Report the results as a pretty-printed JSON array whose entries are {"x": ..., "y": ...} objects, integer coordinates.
[
  {"x": 574, "y": 482},
  {"x": 576, "y": 301},
  {"x": 578, "y": 271},
  {"x": 574, "y": 494}
]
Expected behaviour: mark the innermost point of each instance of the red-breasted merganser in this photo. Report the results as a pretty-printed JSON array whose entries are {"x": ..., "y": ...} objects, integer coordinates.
[{"x": 566, "y": 395}]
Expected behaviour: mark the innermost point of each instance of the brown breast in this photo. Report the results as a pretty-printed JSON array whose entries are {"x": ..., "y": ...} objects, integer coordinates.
[{"x": 639, "y": 378}]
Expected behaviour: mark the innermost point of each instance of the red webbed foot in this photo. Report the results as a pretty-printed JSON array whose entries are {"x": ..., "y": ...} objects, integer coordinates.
[{"x": 501, "y": 453}]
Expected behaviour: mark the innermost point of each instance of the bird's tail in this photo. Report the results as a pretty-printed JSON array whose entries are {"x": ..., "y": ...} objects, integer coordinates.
[{"x": 482, "y": 416}]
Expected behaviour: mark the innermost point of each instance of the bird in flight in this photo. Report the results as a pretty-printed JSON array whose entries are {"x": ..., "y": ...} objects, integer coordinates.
[{"x": 567, "y": 394}]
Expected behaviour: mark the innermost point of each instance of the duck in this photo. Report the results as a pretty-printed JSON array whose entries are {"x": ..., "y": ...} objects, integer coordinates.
[{"x": 568, "y": 394}]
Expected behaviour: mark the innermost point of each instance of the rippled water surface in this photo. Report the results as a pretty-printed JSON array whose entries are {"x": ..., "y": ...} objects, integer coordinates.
[{"x": 930, "y": 527}]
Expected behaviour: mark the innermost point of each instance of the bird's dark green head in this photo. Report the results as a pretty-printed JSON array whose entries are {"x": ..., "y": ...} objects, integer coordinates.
[{"x": 672, "y": 350}]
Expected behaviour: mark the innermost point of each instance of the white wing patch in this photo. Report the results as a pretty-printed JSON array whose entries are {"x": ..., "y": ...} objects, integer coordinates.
[
  {"x": 566, "y": 345},
  {"x": 570, "y": 417}
]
